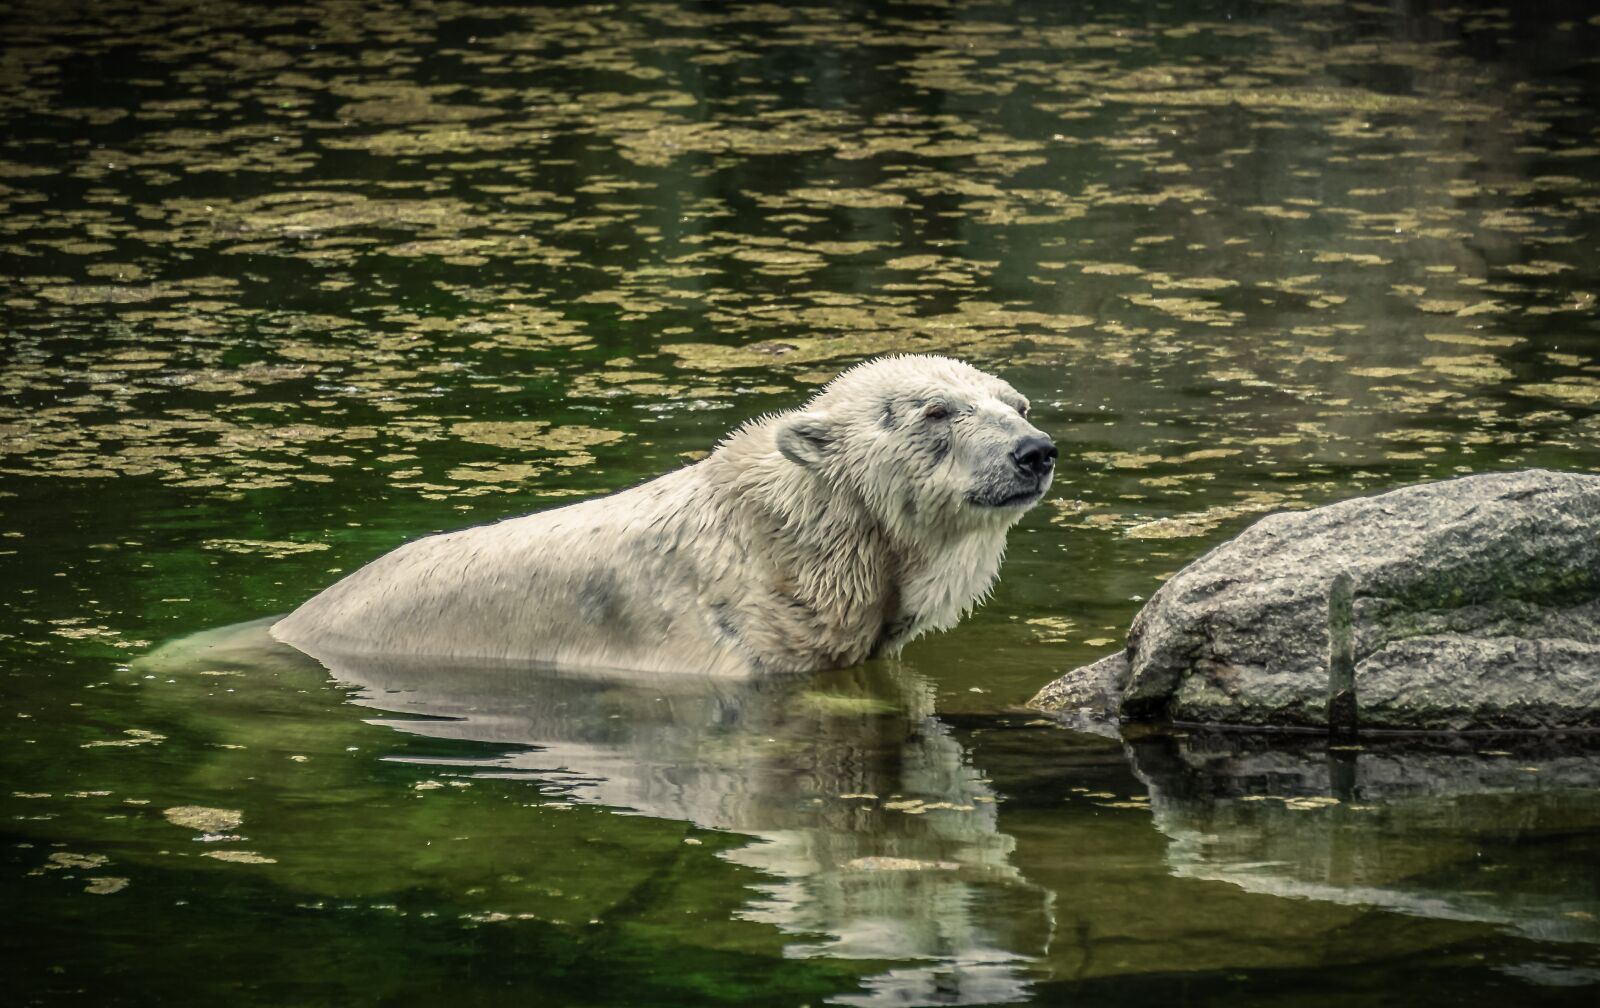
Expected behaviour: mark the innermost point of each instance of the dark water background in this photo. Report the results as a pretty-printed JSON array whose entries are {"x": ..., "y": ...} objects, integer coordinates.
[{"x": 288, "y": 284}]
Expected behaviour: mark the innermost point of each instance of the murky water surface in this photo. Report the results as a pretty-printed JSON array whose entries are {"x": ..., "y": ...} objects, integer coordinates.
[{"x": 286, "y": 285}]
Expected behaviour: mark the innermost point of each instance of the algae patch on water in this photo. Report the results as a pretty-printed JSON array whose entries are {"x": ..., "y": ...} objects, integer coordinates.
[
  {"x": 239, "y": 857},
  {"x": 204, "y": 819}
]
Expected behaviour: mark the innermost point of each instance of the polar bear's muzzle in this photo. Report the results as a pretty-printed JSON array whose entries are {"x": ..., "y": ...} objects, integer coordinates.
[
  {"x": 1034, "y": 456},
  {"x": 1019, "y": 484}
]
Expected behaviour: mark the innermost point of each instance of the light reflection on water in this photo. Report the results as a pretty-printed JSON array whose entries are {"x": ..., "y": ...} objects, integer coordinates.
[
  {"x": 1434, "y": 827},
  {"x": 876, "y": 836},
  {"x": 979, "y": 859}
]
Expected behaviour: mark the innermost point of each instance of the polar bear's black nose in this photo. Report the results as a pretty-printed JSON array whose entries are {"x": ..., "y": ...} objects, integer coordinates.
[{"x": 1034, "y": 455}]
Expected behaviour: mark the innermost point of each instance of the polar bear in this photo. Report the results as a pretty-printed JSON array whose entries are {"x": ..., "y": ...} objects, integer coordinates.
[{"x": 808, "y": 539}]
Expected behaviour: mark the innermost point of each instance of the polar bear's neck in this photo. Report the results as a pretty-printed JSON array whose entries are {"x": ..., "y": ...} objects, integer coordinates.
[
  {"x": 874, "y": 588},
  {"x": 818, "y": 539},
  {"x": 943, "y": 580}
]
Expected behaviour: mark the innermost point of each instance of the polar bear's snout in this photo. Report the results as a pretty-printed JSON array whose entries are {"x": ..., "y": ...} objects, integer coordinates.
[{"x": 1034, "y": 456}]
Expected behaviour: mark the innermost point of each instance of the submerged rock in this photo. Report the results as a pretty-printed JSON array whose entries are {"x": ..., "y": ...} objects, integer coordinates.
[{"x": 1469, "y": 603}]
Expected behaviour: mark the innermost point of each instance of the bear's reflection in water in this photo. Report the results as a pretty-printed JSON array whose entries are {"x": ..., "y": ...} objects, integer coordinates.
[{"x": 877, "y": 834}]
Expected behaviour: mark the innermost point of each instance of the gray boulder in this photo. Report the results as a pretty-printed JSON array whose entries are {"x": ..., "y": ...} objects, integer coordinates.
[{"x": 1465, "y": 604}]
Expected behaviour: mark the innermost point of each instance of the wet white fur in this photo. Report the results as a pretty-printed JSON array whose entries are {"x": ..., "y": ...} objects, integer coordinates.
[{"x": 808, "y": 539}]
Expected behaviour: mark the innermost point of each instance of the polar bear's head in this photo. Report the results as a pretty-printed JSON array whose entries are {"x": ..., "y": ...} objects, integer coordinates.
[{"x": 928, "y": 443}]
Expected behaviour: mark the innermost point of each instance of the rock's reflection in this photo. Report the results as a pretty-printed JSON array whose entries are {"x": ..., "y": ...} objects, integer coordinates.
[
  {"x": 1494, "y": 829},
  {"x": 878, "y": 835}
]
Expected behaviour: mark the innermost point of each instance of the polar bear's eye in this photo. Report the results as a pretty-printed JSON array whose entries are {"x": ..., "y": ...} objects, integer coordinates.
[
  {"x": 1022, "y": 410},
  {"x": 938, "y": 411}
]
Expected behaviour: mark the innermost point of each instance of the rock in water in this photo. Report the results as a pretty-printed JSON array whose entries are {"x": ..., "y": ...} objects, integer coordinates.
[{"x": 1469, "y": 603}]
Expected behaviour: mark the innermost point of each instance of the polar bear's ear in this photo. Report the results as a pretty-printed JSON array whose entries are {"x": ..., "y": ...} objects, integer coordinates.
[{"x": 805, "y": 438}]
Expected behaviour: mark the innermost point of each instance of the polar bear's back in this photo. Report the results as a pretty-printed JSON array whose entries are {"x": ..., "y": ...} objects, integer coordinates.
[{"x": 585, "y": 584}]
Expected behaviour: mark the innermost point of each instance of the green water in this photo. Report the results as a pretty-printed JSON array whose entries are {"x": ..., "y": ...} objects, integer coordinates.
[{"x": 287, "y": 285}]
